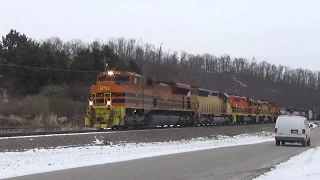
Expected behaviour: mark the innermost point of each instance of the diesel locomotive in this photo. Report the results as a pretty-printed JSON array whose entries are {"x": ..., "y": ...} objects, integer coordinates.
[{"x": 121, "y": 99}]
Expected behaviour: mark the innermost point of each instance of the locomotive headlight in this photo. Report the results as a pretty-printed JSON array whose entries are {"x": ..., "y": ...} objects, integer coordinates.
[
  {"x": 90, "y": 103},
  {"x": 108, "y": 103},
  {"x": 110, "y": 73}
]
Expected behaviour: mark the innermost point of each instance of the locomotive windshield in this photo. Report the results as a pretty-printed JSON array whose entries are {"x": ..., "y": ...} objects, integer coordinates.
[{"x": 113, "y": 78}]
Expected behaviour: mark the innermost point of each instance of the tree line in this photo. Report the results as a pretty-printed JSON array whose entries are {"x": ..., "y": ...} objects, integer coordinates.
[{"x": 58, "y": 62}]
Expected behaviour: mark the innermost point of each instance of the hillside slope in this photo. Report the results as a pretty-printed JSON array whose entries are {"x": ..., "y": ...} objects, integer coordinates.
[
  {"x": 244, "y": 85},
  {"x": 76, "y": 64}
]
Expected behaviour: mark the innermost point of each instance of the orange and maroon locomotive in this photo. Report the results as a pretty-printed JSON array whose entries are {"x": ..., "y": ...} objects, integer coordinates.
[{"x": 122, "y": 99}]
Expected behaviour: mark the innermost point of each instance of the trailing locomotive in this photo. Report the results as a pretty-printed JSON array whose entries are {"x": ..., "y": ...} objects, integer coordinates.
[{"x": 122, "y": 99}]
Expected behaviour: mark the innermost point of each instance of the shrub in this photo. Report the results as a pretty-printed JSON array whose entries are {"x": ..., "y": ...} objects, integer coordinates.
[
  {"x": 41, "y": 111},
  {"x": 37, "y": 121},
  {"x": 66, "y": 107},
  {"x": 11, "y": 120},
  {"x": 79, "y": 91},
  {"x": 35, "y": 105},
  {"x": 61, "y": 91},
  {"x": 51, "y": 120}
]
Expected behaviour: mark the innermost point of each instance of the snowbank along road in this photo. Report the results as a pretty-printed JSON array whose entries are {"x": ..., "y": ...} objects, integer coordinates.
[
  {"x": 237, "y": 162},
  {"x": 302, "y": 166}
]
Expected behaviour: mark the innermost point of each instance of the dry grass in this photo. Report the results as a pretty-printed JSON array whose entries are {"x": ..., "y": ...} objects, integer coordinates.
[
  {"x": 51, "y": 120},
  {"x": 28, "y": 106},
  {"x": 67, "y": 127},
  {"x": 40, "y": 111},
  {"x": 16, "y": 120},
  {"x": 12, "y": 120},
  {"x": 37, "y": 121}
]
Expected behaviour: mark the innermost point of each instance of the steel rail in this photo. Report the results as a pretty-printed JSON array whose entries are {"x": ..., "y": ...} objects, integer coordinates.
[{"x": 17, "y": 134}]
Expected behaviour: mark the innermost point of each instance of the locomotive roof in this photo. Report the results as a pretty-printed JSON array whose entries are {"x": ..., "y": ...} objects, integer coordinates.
[
  {"x": 226, "y": 95},
  {"x": 210, "y": 92},
  {"x": 118, "y": 72},
  {"x": 149, "y": 77},
  {"x": 133, "y": 74},
  {"x": 163, "y": 84},
  {"x": 207, "y": 90},
  {"x": 179, "y": 85},
  {"x": 184, "y": 86},
  {"x": 234, "y": 95}
]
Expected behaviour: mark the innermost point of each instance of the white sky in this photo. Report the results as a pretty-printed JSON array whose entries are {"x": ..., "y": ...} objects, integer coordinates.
[{"x": 280, "y": 32}]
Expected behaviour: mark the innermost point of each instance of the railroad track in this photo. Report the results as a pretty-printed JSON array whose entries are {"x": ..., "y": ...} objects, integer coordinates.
[
  {"x": 10, "y": 129},
  {"x": 16, "y": 134},
  {"x": 57, "y": 131}
]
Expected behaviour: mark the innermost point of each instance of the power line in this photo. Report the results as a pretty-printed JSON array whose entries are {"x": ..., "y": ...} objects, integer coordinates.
[
  {"x": 47, "y": 74},
  {"x": 53, "y": 69}
]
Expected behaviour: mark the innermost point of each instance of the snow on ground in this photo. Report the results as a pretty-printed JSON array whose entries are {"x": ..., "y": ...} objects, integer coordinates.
[
  {"x": 272, "y": 90},
  {"x": 314, "y": 125},
  {"x": 14, "y": 164},
  {"x": 241, "y": 83},
  {"x": 302, "y": 166}
]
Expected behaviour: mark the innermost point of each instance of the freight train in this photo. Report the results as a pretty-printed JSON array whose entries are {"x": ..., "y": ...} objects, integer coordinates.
[{"x": 121, "y": 99}]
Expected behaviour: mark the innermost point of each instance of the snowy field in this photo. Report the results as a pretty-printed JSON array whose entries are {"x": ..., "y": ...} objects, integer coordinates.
[
  {"x": 14, "y": 164},
  {"x": 302, "y": 166}
]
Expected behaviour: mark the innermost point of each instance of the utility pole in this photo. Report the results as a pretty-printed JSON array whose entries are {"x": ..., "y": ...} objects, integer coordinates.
[{"x": 105, "y": 63}]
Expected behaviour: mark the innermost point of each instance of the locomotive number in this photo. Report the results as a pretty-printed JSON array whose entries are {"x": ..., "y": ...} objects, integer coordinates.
[
  {"x": 165, "y": 96},
  {"x": 106, "y": 88}
]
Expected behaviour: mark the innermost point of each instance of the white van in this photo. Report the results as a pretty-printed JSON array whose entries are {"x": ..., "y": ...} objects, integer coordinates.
[{"x": 292, "y": 128}]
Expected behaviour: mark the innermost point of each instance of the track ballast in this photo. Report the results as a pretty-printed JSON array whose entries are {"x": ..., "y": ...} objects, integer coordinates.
[{"x": 57, "y": 132}]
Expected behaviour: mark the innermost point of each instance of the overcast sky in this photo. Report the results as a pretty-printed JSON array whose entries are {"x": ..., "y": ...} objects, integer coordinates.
[{"x": 278, "y": 31}]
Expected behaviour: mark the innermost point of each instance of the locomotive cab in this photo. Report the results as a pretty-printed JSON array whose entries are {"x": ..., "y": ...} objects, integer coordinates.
[
  {"x": 125, "y": 99},
  {"x": 107, "y": 99}
]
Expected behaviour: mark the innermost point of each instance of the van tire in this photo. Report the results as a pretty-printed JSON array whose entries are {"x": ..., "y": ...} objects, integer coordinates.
[
  {"x": 308, "y": 142},
  {"x": 304, "y": 143},
  {"x": 277, "y": 142},
  {"x": 283, "y": 142}
]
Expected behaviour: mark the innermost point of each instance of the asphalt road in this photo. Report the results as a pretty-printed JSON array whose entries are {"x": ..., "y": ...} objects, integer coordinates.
[{"x": 238, "y": 162}]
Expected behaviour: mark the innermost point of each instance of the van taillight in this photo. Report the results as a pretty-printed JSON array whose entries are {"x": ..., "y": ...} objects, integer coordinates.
[
  {"x": 303, "y": 131},
  {"x": 275, "y": 130}
]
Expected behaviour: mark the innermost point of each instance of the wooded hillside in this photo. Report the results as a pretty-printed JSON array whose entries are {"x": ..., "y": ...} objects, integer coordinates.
[{"x": 72, "y": 66}]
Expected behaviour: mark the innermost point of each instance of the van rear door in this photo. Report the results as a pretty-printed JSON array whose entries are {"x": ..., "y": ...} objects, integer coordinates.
[
  {"x": 296, "y": 125},
  {"x": 283, "y": 126}
]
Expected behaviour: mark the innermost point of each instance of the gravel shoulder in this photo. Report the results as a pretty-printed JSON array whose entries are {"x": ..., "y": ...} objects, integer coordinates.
[{"x": 75, "y": 140}]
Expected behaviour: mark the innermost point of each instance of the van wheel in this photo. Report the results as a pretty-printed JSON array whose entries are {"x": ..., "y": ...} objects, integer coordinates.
[
  {"x": 283, "y": 142},
  {"x": 304, "y": 143},
  {"x": 277, "y": 142},
  {"x": 308, "y": 142}
]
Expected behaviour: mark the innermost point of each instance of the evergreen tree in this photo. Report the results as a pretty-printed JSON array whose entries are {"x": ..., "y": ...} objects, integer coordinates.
[{"x": 133, "y": 67}]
